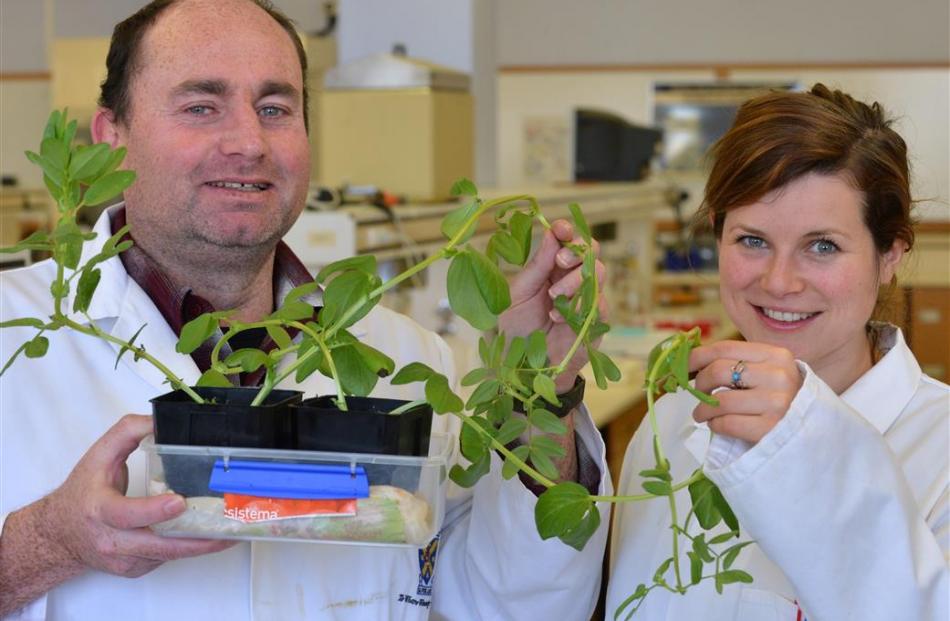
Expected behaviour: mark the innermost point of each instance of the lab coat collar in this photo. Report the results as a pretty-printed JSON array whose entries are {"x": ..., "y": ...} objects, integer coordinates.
[{"x": 898, "y": 370}]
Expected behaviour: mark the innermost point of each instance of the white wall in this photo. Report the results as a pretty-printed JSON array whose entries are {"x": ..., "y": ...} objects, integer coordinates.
[
  {"x": 919, "y": 98},
  {"x": 559, "y": 32}
]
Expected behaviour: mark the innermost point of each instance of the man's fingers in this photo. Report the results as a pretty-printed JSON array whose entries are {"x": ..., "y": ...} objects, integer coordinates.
[
  {"x": 145, "y": 544},
  {"x": 115, "y": 446},
  {"x": 125, "y": 513},
  {"x": 534, "y": 277},
  {"x": 569, "y": 284}
]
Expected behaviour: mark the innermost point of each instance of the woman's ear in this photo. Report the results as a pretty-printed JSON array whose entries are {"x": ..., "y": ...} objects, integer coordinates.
[
  {"x": 890, "y": 260},
  {"x": 104, "y": 128}
]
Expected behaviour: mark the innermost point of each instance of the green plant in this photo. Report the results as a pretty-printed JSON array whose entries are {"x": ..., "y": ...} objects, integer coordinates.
[{"x": 513, "y": 369}]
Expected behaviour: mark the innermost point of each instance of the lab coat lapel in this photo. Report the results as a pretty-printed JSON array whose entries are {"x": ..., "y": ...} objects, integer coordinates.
[{"x": 121, "y": 307}]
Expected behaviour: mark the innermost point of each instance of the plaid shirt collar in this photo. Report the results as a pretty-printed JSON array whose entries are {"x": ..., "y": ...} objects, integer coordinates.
[{"x": 179, "y": 305}]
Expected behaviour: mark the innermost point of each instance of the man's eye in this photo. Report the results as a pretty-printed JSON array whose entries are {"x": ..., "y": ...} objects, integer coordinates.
[
  {"x": 750, "y": 241},
  {"x": 271, "y": 111},
  {"x": 198, "y": 109}
]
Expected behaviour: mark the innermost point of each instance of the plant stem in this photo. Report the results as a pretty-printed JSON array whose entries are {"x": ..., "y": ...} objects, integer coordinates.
[
  {"x": 501, "y": 448},
  {"x": 94, "y": 330},
  {"x": 675, "y": 488}
]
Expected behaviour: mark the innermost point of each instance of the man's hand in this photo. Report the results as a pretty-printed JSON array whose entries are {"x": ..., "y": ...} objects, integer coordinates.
[
  {"x": 552, "y": 271},
  {"x": 89, "y": 523}
]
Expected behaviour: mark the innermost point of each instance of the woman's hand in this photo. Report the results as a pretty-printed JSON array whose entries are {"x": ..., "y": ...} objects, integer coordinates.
[{"x": 768, "y": 381}]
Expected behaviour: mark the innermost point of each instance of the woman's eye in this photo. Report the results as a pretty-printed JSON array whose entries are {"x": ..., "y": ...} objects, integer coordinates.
[
  {"x": 750, "y": 241},
  {"x": 824, "y": 246}
]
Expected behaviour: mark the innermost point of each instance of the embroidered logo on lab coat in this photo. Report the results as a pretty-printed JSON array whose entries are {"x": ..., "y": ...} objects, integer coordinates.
[{"x": 427, "y": 566}]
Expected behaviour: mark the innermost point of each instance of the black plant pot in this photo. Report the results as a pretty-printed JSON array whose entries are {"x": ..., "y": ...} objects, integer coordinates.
[
  {"x": 366, "y": 427},
  {"x": 228, "y": 419}
]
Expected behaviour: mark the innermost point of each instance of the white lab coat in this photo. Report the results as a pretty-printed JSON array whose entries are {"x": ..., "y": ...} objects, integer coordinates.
[
  {"x": 847, "y": 499},
  {"x": 490, "y": 564}
]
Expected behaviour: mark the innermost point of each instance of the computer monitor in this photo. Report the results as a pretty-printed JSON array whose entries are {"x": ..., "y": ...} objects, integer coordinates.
[{"x": 607, "y": 147}]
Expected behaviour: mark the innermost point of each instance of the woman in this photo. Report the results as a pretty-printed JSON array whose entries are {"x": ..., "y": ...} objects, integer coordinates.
[{"x": 828, "y": 442}]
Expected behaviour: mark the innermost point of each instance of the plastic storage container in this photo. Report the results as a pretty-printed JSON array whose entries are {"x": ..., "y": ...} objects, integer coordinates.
[{"x": 305, "y": 495}]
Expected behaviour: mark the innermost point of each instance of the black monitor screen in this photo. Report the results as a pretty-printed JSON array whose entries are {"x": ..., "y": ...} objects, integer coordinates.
[{"x": 608, "y": 148}]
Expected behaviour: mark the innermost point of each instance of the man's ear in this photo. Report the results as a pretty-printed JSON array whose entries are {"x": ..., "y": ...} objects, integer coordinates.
[{"x": 105, "y": 128}]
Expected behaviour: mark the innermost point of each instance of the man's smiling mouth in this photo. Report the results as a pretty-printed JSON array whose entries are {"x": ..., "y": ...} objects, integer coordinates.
[{"x": 237, "y": 185}]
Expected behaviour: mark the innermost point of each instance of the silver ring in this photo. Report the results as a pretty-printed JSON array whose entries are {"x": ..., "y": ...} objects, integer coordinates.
[{"x": 737, "y": 370}]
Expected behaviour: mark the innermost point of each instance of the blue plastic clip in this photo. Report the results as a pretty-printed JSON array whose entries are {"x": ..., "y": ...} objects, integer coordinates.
[{"x": 289, "y": 480}]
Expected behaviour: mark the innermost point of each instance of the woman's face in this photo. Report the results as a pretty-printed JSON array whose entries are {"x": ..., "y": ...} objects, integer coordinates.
[{"x": 799, "y": 270}]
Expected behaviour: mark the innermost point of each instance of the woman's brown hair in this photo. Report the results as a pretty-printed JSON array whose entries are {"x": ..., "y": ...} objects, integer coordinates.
[{"x": 781, "y": 136}]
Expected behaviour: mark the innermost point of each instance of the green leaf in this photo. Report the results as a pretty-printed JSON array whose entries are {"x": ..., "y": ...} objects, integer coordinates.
[
  {"x": 500, "y": 409},
  {"x": 88, "y": 160},
  {"x": 362, "y": 263},
  {"x": 52, "y": 123},
  {"x": 128, "y": 345},
  {"x": 377, "y": 362},
  {"x": 38, "y": 240},
  {"x": 520, "y": 228},
  {"x": 249, "y": 360},
  {"x": 658, "y": 488},
  {"x": 349, "y": 289},
  {"x": 516, "y": 350},
  {"x": 88, "y": 281},
  {"x": 300, "y": 291},
  {"x": 725, "y": 510},
  {"x": 497, "y": 349},
  {"x": 67, "y": 240},
  {"x": 491, "y": 283},
  {"x": 695, "y": 568},
  {"x": 510, "y": 469},
  {"x": 567, "y": 511},
  {"x": 563, "y": 305},
  {"x": 112, "y": 162},
  {"x": 680, "y": 364},
  {"x": 295, "y": 310},
  {"x": 701, "y": 548},
  {"x": 465, "y": 296},
  {"x": 544, "y": 386},
  {"x": 464, "y": 187},
  {"x": 36, "y": 347},
  {"x": 55, "y": 152},
  {"x": 214, "y": 379},
  {"x": 662, "y": 569},
  {"x": 467, "y": 477},
  {"x": 733, "y": 575},
  {"x": 29, "y": 322},
  {"x": 547, "y": 421},
  {"x": 412, "y": 372},
  {"x": 723, "y": 537},
  {"x": 547, "y": 445},
  {"x": 511, "y": 430},
  {"x": 542, "y": 462},
  {"x": 473, "y": 443},
  {"x": 355, "y": 375},
  {"x": 505, "y": 246},
  {"x": 196, "y": 332},
  {"x": 280, "y": 336},
  {"x": 485, "y": 392},
  {"x": 707, "y": 399},
  {"x": 440, "y": 396},
  {"x": 537, "y": 349},
  {"x": 580, "y": 223},
  {"x": 475, "y": 376},
  {"x": 455, "y": 221},
  {"x": 50, "y": 170},
  {"x": 108, "y": 186},
  {"x": 656, "y": 473},
  {"x": 729, "y": 556},
  {"x": 702, "y": 493},
  {"x": 70, "y": 132}
]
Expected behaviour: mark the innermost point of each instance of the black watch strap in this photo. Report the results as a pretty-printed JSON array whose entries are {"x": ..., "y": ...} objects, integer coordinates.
[{"x": 569, "y": 400}]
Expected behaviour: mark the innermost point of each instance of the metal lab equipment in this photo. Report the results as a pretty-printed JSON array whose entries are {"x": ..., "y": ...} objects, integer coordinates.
[{"x": 398, "y": 123}]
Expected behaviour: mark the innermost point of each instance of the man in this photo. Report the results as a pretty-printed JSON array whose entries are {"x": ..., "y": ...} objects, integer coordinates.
[{"x": 209, "y": 98}]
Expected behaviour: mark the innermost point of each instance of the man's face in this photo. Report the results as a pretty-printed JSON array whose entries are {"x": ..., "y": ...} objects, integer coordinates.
[{"x": 215, "y": 131}]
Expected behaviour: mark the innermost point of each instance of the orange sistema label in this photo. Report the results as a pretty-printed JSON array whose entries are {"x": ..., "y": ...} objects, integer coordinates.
[{"x": 249, "y": 509}]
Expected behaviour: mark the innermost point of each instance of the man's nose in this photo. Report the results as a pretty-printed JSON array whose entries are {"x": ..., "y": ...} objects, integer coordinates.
[
  {"x": 244, "y": 135},
  {"x": 782, "y": 276}
]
